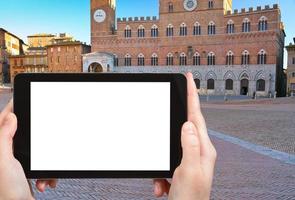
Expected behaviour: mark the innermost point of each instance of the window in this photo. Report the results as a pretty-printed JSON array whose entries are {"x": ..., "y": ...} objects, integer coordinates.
[
  {"x": 140, "y": 60},
  {"x": 229, "y": 84},
  {"x": 183, "y": 30},
  {"x": 182, "y": 59},
  {"x": 197, "y": 59},
  {"x": 211, "y": 59},
  {"x": 293, "y": 74},
  {"x": 75, "y": 59},
  {"x": 245, "y": 58},
  {"x": 128, "y": 61},
  {"x": 58, "y": 49},
  {"x": 154, "y": 31},
  {"x": 210, "y": 84},
  {"x": 127, "y": 32},
  {"x": 261, "y": 59},
  {"x": 260, "y": 85},
  {"x": 15, "y": 62},
  {"x": 58, "y": 59},
  {"x": 140, "y": 31},
  {"x": 293, "y": 61},
  {"x": 197, "y": 29},
  {"x": 170, "y": 7},
  {"x": 246, "y": 26},
  {"x": 169, "y": 59},
  {"x": 211, "y": 28},
  {"x": 230, "y": 58},
  {"x": 230, "y": 28},
  {"x": 169, "y": 31},
  {"x": 210, "y": 4},
  {"x": 154, "y": 60},
  {"x": 198, "y": 83},
  {"x": 116, "y": 61},
  {"x": 262, "y": 25}
]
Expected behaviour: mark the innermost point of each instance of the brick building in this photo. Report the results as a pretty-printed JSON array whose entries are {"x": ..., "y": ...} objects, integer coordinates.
[
  {"x": 40, "y": 40},
  {"x": 291, "y": 68},
  {"x": 229, "y": 52},
  {"x": 9, "y": 45}
]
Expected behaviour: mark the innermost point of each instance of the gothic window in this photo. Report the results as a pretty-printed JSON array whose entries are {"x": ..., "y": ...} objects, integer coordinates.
[
  {"x": 246, "y": 26},
  {"x": 141, "y": 31},
  {"x": 116, "y": 61},
  {"x": 230, "y": 58},
  {"x": 245, "y": 58},
  {"x": 260, "y": 85},
  {"x": 154, "y": 31},
  {"x": 198, "y": 83},
  {"x": 170, "y": 7},
  {"x": 229, "y": 84},
  {"x": 169, "y": 59},
  {"x": 230, "y": 28},
  {"x": 211, "y": 28},
  {"x": 127, "y": 32},
  {"x": 211, "y": 84},
  {"x": 154, "y": 60},
  {"x": 262, "y": 25},
  {"x": 211, "y": 58},
  {"x": 261, "y": 60},
  {"x": 169, "y": 31},
  {"x": 183, "y": 30},
  {"x": 128, "y": 61},
  {"x": 197, "y": 29},
  {"x": 140, "y": 60},
  {"x": 182, "y": 59},
  {"x": 197, "y": 59},
  {"x": 210, "y": 4}
]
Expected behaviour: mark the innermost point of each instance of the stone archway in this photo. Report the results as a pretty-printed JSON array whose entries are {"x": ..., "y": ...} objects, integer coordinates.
[{"x": 95, "y": 68}]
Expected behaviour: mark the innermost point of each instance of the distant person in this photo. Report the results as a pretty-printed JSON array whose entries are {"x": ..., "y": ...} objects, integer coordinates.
[{"x": 192, "y": 180}]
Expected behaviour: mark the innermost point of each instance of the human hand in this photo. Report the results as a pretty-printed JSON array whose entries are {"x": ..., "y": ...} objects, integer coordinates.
[
  {"x": 13, "y": 182},
  {"x": 192, "y": 180}
]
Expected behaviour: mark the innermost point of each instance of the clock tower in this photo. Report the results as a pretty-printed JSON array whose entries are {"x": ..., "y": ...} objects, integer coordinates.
[{"x": 103, "y": 14}]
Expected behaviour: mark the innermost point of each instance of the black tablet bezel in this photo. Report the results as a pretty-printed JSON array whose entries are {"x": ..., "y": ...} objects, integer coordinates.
[{"x": 22, "y": 109}]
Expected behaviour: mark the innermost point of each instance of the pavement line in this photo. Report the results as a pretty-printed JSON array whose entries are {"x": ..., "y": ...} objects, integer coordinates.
[{"x": 278, "y": 155}]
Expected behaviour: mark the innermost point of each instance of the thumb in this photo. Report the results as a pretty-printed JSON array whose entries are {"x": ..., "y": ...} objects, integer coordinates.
[
  {"x": 7, "y": 132},
  {"x": 190, "y": 145}
]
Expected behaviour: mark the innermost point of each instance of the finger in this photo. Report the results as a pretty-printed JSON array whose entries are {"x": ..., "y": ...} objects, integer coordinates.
[
  {"x": 195, "y": 115},
  {"x": 161, "y": 186},
  {"x": 7, "y": 132},
  {"x": 8, "y": 109},
  {"x": 41, "y": 185},
  {"x": 190, "y": 146},
  {"x": 53, "y": 183}
]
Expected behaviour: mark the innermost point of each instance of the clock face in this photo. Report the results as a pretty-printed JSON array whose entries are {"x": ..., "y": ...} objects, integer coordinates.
[
  {"x": 190, "y": 5},
  {"x": 99, "y": 15}
]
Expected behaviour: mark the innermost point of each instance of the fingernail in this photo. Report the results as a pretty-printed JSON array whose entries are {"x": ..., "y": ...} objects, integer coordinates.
[{"x": 188, "y": 128}]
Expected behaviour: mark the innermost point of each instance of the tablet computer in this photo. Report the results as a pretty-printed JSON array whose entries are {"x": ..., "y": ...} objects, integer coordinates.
[{"x": 99, "y": 125}]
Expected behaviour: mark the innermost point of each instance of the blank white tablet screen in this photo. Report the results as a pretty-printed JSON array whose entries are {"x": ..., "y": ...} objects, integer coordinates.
[{"x": 100, "y": 126}]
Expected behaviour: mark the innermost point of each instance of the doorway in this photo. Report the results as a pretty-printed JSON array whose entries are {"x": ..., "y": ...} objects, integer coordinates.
[
  {"x": 244, "y": 86},
  {"x": 95, "y": 68}
]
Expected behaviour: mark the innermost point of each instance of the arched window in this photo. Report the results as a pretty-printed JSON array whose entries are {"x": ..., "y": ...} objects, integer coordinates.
[
  {"x": 196, "y": 59},
  {"x": 262, "y": 25},
  {"x": 127, "y": 32},
  {"x": 116, "y": 61},
  {"x": 246, "y": 26},
  {"x": 260, "y": 85},
  {"x": 229, "y": 84},
  {"x": 183, "y": 30},
  {"x": 140, "y": 60},
  {"x": 211, "y": 58},
  {"x": 128, "y": 61},
  {"x": 261, "y": 59},
  {"x": 211, "y": 28},
  {"x": 182, "y": 59},
  {"x": 230, "y": 28},
  {"x": 210, "y": 4},
  {"x": 197, "y": 29},
  {"x": 169, "y": 31},
  {"x": 245, "y": 58},
  {"x": 170, "y": 7},
  {"x": 198, "y": 83},
  {"x": 169, "y": 59},
  {"x": 141, "y": 31},
  {"x": 210, "y": 84},
  {"x": 154, "y": 31},
  {"x": 154, "y": 60},
  {"x": 230, "y": 58}
]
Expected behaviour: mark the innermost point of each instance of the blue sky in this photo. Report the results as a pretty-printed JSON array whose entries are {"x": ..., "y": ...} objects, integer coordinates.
[{"x": 26, "y": 17}]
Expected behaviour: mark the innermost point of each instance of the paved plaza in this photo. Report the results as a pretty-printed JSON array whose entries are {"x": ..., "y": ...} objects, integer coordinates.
[{"x": 241, "y": 173}]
